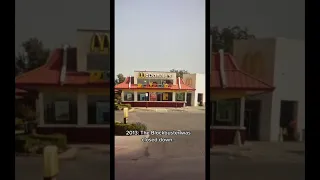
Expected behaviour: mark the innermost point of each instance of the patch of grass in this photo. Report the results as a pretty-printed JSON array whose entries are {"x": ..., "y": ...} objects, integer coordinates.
[
  {"x": 121, "y": 106},
  {"x": 34, "y": 144},
  {"x": 122, "y": 129}
]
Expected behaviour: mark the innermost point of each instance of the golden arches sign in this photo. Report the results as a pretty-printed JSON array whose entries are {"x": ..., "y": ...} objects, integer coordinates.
[
  {"x": 141, "y": 75},
  {"x": 189, "y": 82},
  {"x": 100, "y": 43},
  {"x": 254, "y": 64}
]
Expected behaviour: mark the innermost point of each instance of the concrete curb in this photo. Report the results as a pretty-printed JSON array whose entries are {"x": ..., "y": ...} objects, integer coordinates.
[
  {"x": 230, "y": 150},
  {"x": 70, "y": 154},
  {"x": 132, "y": 110},
  {"x": 97, "y": 147}
]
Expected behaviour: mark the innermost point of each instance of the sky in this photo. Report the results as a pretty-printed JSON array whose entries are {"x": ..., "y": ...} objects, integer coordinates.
[{"x": 157, "y": 34}]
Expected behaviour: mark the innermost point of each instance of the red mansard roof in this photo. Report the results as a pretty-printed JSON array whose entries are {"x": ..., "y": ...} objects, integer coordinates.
[
  {"x": 125, "y": 85},
  {"x": 49, "y": 74},
  {"x": 234, "y": 77}
]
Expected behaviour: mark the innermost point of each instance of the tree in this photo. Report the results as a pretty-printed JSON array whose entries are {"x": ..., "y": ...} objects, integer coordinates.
[
  {"x": 34, "y": 56},
  {"x": 179, "y": 72},
  {"x": 120, "y": 78},
  {"x": 223, "y": 38}
]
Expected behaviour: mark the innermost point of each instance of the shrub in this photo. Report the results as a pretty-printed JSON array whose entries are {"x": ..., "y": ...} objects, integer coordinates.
[
  {"x": 121, "y": 128},
  {"x": 18, "y": 122},
  {"x": 127, "y": 105},
  {"x": 121, "y": 106},
  {"x": 118, "y": 107},
  {"x": 36, "y": 143}
]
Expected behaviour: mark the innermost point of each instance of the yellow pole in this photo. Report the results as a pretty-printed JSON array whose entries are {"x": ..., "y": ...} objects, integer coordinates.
[
  {"x": 125, "y": 115},
  {"x": 50, "y": 162}
]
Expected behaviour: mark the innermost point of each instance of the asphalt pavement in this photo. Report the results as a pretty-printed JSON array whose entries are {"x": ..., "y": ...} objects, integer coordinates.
[
  {"x": 222, "y": 167},
  {"x": 183, "y": 158},
  {"x": 89, "y": 164},
  {"x": 192, "y": 145}
]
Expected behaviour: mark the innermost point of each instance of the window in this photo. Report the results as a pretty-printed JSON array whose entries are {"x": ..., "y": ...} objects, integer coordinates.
[
  {"x": 143, "y": 96},
  {"x": 200, "y": 97},
  {"x": 60, "y": 108},
  {"x": 226, "y": 112},
  {"x": 128, "y": 96},
  {"x": 180, "y": 96},
  {"x": 98, "y": 110},
  {"x": 164, "y": 96},
  {"x": 153, "y": 96},
  {"x": 62, "y": 112}
]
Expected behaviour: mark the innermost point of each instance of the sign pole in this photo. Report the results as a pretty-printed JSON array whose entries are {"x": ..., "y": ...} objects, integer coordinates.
[{"x": 147, "y": 100}]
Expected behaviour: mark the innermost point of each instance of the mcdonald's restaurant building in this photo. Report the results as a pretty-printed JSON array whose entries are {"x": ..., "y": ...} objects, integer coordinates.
[
  {"x": 258, "y": 91},
  {"x": 160, "y": 89},
  {"x": 73, "y": 89}
]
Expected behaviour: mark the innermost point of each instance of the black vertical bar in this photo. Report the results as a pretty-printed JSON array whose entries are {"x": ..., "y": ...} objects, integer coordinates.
[
  {"x": 112, "y": 94},
  {"x": 207, "y": 90}
]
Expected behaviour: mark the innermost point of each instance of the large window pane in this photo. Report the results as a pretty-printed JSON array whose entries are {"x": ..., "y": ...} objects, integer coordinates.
[
  {"x": 128, "y": 96},
  {"x": 143, "y": 96},
  {"x": 98, "y": 109},
  {"x": 180, "y": 96},
  {"x": 227, "y": 112},
  {"x": 60, "y": 108}
]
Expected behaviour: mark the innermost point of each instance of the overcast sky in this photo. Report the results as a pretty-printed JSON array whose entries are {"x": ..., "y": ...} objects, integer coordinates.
[{"x": 158, "y": 34}]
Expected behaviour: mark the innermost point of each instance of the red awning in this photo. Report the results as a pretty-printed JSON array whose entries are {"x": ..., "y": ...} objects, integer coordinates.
[
  {"x": 125, "y": 85},
  {"x": 49, "y": 74},
  {"x": 235, "y": 79}
]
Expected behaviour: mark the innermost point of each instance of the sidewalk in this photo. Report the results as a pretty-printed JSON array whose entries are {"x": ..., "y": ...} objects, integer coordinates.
[
  {"x": 264, "y": 151},
  {"x": 173, "y": 109}
]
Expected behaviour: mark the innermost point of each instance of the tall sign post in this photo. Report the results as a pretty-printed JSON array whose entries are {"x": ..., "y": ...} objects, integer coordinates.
[{"x": 147, "y": 98}]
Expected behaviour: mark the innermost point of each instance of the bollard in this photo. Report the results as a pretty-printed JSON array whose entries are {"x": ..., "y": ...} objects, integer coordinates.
[
  {"x": 237, "y": 138},
  {"x": 280, "y": 135},
  {"x": 125, "y": 115},
  {"x": 50, "y": 162}
]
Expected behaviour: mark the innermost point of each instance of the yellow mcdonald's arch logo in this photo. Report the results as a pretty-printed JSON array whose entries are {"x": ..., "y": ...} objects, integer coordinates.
[
  {"x": 96, "y": 76},
  {"x": 141, "y": 75},
  {"x": 100, "y": 43},
  {"x": 189, "y": 81},
  {"x": 254, "y": 64}
]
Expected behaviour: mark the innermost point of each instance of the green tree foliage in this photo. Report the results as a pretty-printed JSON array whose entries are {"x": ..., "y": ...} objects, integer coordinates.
[
  {"x": 223, "y": 38},
  {"x": 179, "y": 73},
  {"x": 34, "y": 56},
  {"x": 120, "y": 78}
]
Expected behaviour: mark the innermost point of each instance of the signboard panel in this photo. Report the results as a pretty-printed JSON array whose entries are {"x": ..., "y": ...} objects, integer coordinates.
[{"x": 150, "y": 75}]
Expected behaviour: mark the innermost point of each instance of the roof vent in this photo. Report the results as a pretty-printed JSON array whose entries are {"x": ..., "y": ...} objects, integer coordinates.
[
  {"x": 64, "y": 64},
  {"x": 222, "y": 73}
]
